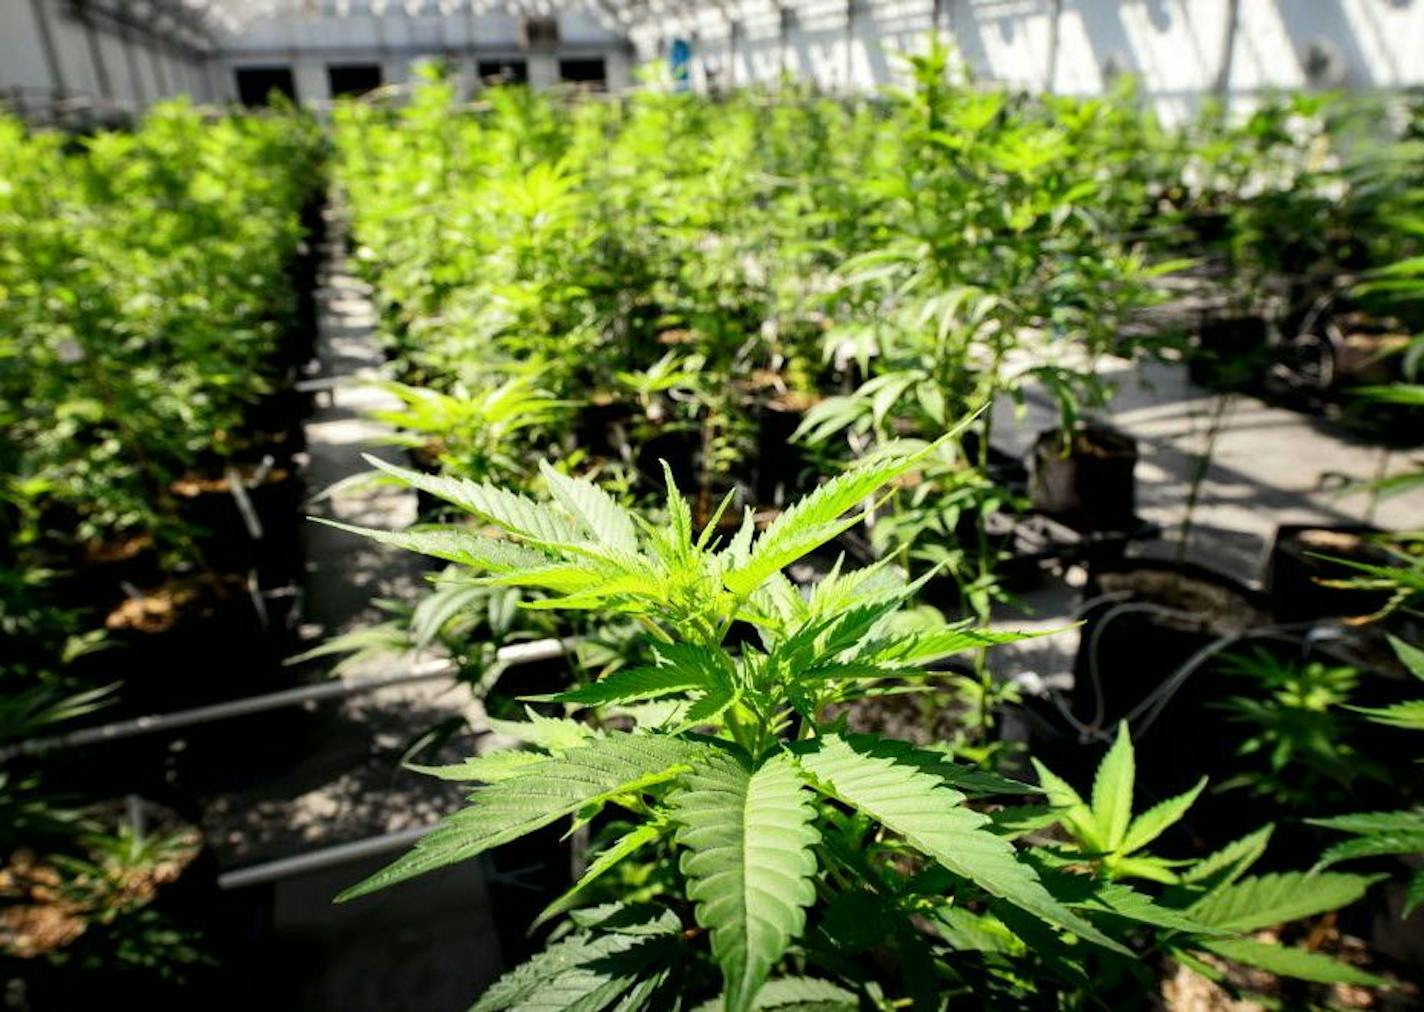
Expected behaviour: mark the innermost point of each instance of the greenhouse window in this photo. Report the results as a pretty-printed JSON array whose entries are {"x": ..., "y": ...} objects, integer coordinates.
[
  {"x": 353, "y": 78},
  {"x": 255, "y": 85},
  {"x": 508, "y": 71},
  {"x": 592, "y": 72}
]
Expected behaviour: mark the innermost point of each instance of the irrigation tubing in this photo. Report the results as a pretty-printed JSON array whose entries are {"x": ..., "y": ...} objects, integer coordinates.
[{"x": 1150, "y": 707}]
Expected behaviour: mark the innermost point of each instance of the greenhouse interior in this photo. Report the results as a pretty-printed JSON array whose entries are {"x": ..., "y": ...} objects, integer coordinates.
[{"x": 641, "y": 505}]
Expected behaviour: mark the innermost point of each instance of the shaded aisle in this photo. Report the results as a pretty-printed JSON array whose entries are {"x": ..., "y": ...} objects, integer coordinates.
[{"x": 429, "y": 945}]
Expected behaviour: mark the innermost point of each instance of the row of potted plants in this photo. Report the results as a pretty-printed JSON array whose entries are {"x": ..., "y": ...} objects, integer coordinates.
[
  {"x": 151, "y": 329},
  {"x": 1293, "y": 212}
]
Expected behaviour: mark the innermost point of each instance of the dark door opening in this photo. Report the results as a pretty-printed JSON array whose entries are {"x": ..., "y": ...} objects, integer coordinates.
[
  {"x": 504, "y": 71},
  {"x": 593, "y": 73},
  {"x": 353, "y": 78},
  {"x": 255, "y": 85}
]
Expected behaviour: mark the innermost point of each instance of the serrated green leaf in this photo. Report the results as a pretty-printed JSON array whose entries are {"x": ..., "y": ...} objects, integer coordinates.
[
  {"x": 533, "y": 521},
  {"x": 748, "y": 860},
  {"x": 803, "y": 991},
  {"x": 1413, "y": 893},
  {"x": 1374, "y": 822},
  {"x": 499, "y": 813},
  {"x": 437, "y": 609},
  {"x": 1267, "y": 900},
  {"x": 632, "y": 685},
  {"x": 1112, "y": 790},
  {"x": 1373, "y": 845},
  {"x": 1094, "y": 895},
  {"x": 886, "y": 781},
  {"x": 1286, "y": 961},
  {"x": 602, "y": 519},
  {"x": 817, "y": 518},
  {"x": 553, "y": 734},
  {"x": 1159, "y": 818},
  {"x": 923, "y": 648},
  {"x": 454, "y": 543},
  {"x": 490, "y": 768},
  {"x": 713, "y": 704},
  {"x": 1020, "y": 820},
  {"x": 1230, "y": 862},
  {"x": 1072, "y": 810},
  {"x": 586, "y": 973},
  {"x": 626, "y": 845},
  {"x": 796, "y": 994},
  {"x": 1411, "y": 657},
  {"x": 1407, "y": 715},
  {"x": 679, "y": 512}
]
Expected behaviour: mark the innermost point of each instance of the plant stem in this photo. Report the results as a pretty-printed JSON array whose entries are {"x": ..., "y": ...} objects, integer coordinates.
[{"x": 1199, "y": 472}]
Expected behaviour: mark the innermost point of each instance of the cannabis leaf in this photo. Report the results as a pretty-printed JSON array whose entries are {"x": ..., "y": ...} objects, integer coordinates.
[
  {"x": 748, "y": 860},
  {"x": 886, "y": 781},
  {"x": 542, "y": 793}
]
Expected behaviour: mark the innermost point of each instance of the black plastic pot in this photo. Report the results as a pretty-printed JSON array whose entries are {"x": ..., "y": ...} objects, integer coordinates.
[
  {"x": 601, "y": 426},
  {"x": 1091, "y": 486},
  {"x": 527, "y": 878},
  {"x": 189, "y": 644},
  {"x": 1144, "y": 622},
  {"x": 780, "y": 462},
  {"x": 681, "y": 448},
  {"x": 1208, "y": 227},
  {"x": 1231, "y": 353},
  {"x": 225, "y": 538},
  {"x": 1296, "y": 570}
]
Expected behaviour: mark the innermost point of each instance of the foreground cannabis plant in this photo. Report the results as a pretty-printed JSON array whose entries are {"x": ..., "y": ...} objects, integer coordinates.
[{"x": 759, "y": 807}]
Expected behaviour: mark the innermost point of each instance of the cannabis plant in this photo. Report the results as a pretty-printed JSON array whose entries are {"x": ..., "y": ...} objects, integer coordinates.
[
  {"x": 1203, "y": 903},
  {"x": 1377, "y": 834},
  {"x": 767, "y": 824},
  {"x": 744, "y": 779},
  {"x": 1297, "y": 747}
]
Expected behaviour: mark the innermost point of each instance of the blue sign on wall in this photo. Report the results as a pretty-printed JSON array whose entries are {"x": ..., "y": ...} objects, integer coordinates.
[{"x": 680, "y": 63}]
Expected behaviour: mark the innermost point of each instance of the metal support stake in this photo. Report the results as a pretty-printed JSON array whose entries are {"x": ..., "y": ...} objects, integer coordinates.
[
  {"x": 1228, "y": 50},
  {"x": 96, "y": 52},
  {"x": 1054, "y": 25},
  {"x": 47, "y": 47}
]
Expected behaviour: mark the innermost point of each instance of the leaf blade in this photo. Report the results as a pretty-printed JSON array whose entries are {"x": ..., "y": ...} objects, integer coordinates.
[{"x": 747, "y": 836}]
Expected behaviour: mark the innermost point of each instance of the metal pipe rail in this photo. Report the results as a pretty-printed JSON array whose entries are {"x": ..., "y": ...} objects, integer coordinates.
[
  {"x": 509, "y": 656},
  {"x": 320, "y": 860}
]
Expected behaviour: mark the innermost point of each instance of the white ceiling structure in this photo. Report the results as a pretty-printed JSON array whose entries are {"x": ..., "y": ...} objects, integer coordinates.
[{"x": 228, "y": 16}]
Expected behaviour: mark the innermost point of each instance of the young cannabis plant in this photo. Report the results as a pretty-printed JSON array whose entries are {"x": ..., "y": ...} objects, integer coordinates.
[
  {"x": 1377, "y": 834},
  {"x": 744, "y": 777},
  {"x": 1106, "y": 828},
  {"x": 1209, "y": 903}
]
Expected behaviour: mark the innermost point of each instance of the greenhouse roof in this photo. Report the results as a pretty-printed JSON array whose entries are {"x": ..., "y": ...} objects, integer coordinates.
[{"x": 226, "y": 16}]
